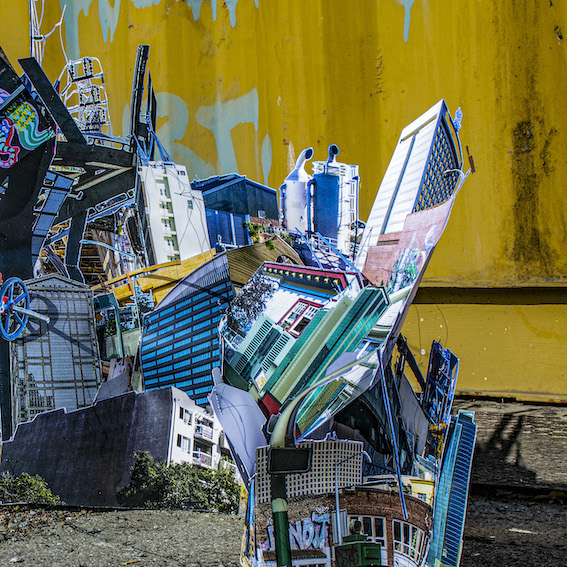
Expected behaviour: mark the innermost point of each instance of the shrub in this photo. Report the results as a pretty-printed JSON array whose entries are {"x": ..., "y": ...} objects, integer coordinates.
[
  {"x": 179, "y": 486},
  {"x": 222, "y": 490},
  {"x": 26, "y": 488}
]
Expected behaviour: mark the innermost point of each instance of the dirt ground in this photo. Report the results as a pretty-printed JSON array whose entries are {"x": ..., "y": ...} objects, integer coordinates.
[
  {"x": 42, "y": 538},
  {"x": 510, "y": 533},
  {"x": 499, "y": 533}
]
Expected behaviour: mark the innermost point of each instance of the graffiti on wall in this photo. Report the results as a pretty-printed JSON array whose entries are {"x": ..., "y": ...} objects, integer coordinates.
[
  {"x": 407, "y": 4},
  {"x": 19, "y": 130},
  {"x": 307, "y": 533},
  {"x": 108, "y": 14},
  {"x": 220, "y": 119},
  {"x": 406, "y": 268}
]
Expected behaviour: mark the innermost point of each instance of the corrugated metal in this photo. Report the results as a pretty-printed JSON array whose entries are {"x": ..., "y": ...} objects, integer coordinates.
[
  {"x": 243, "y": 262},
  {"x": 452, "y": 492}
]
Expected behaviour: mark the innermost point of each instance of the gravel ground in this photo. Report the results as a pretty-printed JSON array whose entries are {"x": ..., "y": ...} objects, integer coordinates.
[
  {"x": 42, "y": 538},
  {"x": 510, "y": 533},
  {"x": 499, "y": 533}
]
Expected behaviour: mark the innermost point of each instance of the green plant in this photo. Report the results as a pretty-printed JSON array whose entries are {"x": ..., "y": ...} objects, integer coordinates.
[
  {"x": 287, "y": 237},
  {"x": 26, "y": 488},
  {"x": 179, "y": 486},
  {"x": 253, "y": 230},
  {"x": 222, "y": 490}
]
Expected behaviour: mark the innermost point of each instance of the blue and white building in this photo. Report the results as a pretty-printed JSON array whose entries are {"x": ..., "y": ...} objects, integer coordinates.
[{"x": 180, "y": 343}]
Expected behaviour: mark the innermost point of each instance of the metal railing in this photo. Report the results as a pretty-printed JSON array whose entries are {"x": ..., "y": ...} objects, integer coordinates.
[
  {"x": 204, "y": 431},
  {"x": 203, "y": 459}
]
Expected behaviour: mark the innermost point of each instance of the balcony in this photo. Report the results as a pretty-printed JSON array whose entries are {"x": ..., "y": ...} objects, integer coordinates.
[
  {"x": 204, "y": 431},
  {"x": 202, "y": 459}
]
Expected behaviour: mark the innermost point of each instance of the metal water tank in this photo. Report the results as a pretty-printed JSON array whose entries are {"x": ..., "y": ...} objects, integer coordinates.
[{"x": 293, "y": 195}]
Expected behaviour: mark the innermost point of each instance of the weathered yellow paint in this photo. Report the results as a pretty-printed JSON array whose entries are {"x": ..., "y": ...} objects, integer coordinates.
[
  {"x": 511, "y": 351},
  {"x": 288, "y": 75}
]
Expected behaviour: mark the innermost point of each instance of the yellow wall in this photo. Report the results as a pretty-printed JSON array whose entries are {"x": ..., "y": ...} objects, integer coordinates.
[{"x": 263, "y": 79}]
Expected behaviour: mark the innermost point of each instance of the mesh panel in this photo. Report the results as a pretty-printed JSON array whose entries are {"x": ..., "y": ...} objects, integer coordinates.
[{"x": 438, "y": 187}]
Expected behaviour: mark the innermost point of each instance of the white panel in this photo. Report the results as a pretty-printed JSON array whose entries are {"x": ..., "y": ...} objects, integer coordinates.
[
  {"x": 391, "y": 208},
  {"x": 411, "y": 180},
  {"x": 382, "y": 202},
  {"x": 188, "y": 211}
]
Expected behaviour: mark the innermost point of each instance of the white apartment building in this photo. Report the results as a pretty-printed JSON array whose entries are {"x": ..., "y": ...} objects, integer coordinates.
[
  {"x": 175, "y": 213},
  {"x": 196, "y": 435}
]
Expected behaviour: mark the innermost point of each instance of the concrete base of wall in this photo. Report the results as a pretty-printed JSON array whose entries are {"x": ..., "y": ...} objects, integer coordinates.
[{"x": 86, "y": 455}]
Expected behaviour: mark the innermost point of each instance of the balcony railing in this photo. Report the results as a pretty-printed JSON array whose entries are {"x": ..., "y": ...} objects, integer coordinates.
[
  {"x": 202, "y": 459},
  {"x": 204, "y": 431}
]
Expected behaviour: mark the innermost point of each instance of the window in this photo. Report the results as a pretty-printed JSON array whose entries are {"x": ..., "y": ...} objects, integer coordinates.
[
  {"x": 185, "y": 415},
  {"x": 163, "y": 187},
  {"x": 372, "y": 528},
  {"x": 296, "y": 320},
  {"x": 183, "y": 443},
  {"x": 409, "y": 540},
  {"x": 190, "y": 203}
]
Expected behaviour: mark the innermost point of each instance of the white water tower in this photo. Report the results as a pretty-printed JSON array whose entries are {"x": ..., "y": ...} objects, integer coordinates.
[{"x": 293, "y": 195}]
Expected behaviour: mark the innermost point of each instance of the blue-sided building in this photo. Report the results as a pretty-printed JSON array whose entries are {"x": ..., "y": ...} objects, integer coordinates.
[
  {"x": 180, "y": 344},
  {"x": 238, "y": 194}
]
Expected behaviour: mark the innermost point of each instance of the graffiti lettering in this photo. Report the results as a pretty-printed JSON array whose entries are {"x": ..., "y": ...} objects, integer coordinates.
[
  {"x": 406, "y": 268},
  {"x": 72, "y": 10},
  {"x": 407, "y": 17},
  {"x": 308, "y": 533},
  {"x": 345, "y": 557},
  {"x": 108, "y": 16},
  {"x": 222, "y": 117},
  {"x": 6, "y": 148}
]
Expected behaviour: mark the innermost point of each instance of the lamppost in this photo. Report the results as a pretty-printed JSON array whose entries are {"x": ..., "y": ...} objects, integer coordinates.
[
  {"x": 283, "y": 438},
  {"x": 337, "y": 508}
]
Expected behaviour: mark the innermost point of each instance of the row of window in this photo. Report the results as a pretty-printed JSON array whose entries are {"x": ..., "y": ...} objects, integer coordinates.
[
  {"x": 157, "y": 319},
  {"x": 152, "y": 377},
  {"x": 167, "y": 333},
  {"x": 220, "y": 288},
  {"x": 148, "y": 343},
  {"x": 203, "y": 390},
  {"x": 147, "y": 357}
]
